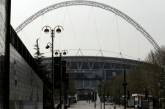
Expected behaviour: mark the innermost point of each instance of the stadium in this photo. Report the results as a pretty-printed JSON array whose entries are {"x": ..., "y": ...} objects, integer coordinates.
[{"x": 89, "y": 71}]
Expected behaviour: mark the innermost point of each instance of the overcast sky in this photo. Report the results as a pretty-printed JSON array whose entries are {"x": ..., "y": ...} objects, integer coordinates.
[{"x": 92, "y": 28}]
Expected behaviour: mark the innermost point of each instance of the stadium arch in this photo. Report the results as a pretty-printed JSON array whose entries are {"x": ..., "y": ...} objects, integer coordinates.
[{"x": 93, "y": 4}]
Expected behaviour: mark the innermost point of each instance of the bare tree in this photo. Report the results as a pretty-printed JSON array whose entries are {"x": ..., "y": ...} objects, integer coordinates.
[{"x": 157, "y": 57}]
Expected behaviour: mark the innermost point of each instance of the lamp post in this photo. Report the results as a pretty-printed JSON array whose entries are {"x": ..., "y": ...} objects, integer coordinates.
[
  {"x": 100, "y": 86},
  {"x": 52, "y": 31},
  {"x": 60, "y": 54},
  {"x": 104, "y": 87},
  {"x": 125, "y": 88}
]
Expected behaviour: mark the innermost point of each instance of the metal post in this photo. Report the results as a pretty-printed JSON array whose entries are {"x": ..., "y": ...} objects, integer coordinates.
[
  {"x": 52, "y": 35},
  {"x": 95, "y": 98},
  {"x": 104, "y": 96},
  {"x": 125, "y": 89},
  {"x": 60, "y": 80},
  {"x": 100, "y": 97},
  {"x": 65, "y": 99},
  {"x": 65, "y": 93},
  {"x": 104, "y": 89}
]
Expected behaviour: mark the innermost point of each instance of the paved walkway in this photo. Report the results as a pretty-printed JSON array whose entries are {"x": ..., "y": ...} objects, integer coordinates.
[{"x": 86, "y": 105}]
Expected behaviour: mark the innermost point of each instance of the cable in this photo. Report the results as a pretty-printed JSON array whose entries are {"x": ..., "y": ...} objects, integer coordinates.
[
  {"x": 73, "y": 27},
  {"x": 63, "y": 22},
  {"x": 118, "y": 34},
  {"x": 97, "y": 32}
]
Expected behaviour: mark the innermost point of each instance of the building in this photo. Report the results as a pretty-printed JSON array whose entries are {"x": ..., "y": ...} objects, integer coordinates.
[{"x": 89, "y": 71}]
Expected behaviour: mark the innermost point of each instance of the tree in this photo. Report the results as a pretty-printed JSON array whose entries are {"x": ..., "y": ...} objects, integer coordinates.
[
  {"x": 158, "y": 58},
  {"x": 42, "y": 71},
  {"x": 38, "y": 55},
  {"x": 71, "y": 89},
  {"x": 114, "y": 88},
  {"x": 144, "y": 78},
  {"x": 39, "y": 58}
]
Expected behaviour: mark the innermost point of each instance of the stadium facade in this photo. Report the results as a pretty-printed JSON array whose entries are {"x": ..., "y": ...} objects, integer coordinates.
[{"x": 89, "y": 71}]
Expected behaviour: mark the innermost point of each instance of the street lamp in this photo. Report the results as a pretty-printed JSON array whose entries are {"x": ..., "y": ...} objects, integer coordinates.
[
  {"x": 52, "y": 31},
  {"x": 60, "y": 54}
]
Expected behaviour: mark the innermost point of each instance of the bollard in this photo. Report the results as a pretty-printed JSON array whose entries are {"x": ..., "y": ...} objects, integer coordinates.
[
  {"x": 114, "y": 106},
  {"x": 95, "y": 104}
]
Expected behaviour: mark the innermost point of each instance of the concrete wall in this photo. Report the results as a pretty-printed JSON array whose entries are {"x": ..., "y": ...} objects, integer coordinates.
[
  {"x": 2, "y": 27},
  {"x": 2, "y": 47},
  {"x": 26, "y": 88},
  {"x": 1, "y": 80}
]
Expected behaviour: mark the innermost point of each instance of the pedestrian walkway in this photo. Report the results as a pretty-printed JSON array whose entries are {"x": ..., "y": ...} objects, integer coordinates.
[{"x": 91, "y": 105}]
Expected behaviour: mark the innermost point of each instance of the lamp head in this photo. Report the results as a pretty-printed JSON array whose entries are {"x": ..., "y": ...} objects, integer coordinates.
[
  {"x": 47, "y": 47},
  {"x": 56, "y": 53},
  {"x": 46, "y": 30},
  {"x": 58, "y": 30},
  {"x": 64, "y": 53}
]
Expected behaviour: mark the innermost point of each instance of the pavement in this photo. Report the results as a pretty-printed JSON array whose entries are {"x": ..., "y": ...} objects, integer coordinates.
[{"x": 91, "y": 105}]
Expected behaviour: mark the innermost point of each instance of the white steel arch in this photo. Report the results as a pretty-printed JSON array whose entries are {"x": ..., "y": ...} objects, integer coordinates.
[{"x": 94, "y": 4}]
